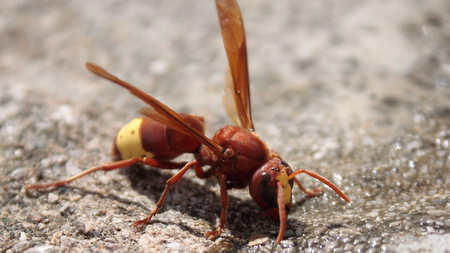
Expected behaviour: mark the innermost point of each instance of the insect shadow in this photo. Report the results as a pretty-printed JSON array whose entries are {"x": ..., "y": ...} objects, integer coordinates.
[
  {"x": 151, "y": 182},
  {"x": 244, "y": 216}
]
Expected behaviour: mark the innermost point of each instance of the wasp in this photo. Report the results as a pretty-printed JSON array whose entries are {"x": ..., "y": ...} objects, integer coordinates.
[{"x": 235, "y": 155}]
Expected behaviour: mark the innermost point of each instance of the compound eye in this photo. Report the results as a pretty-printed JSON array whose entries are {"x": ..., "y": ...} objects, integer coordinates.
[{"x": 263, "y": 191}]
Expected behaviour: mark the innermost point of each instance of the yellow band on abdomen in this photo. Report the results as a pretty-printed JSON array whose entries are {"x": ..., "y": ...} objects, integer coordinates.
[{"x": 129, "y": 142}]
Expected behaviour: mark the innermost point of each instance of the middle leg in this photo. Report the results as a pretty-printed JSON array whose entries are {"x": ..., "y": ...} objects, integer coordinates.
[{"x": 171, "y": 181}]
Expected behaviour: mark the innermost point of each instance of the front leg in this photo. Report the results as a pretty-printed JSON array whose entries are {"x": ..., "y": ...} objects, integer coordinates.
[{"x": 224, "y": 203}]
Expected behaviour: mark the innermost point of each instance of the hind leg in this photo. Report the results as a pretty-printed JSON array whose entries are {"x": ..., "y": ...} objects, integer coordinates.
[{"x": 107, "y": 167}]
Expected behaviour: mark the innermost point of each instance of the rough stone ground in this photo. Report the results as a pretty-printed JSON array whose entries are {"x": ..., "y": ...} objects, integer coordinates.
[{"x": 357, "y": 91}]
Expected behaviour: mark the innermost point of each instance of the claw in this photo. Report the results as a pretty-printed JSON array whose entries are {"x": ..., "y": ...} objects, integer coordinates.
[
  {"x": 141, "y": 224},
  {"x": 213, "y": 235},
  {"x": 314, "y": 193}
]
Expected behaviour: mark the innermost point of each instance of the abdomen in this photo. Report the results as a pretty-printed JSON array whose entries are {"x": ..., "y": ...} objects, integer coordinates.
[{"x": 145, "y": 137}]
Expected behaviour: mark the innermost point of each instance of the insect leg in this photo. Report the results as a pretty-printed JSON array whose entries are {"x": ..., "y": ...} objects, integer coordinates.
[
  {"x": 224, "y": 203},
  {"x": 171, "y": 181},
  {"x": 310, "y": 193},
  {"x": 163, "y": 164},
  {"x": 200, "y": 173},
  {"x": 105, "y": 167},
  {"x": 319, "y": 177}
]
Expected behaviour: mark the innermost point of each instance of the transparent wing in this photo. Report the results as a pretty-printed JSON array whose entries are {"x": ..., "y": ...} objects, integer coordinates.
[
  {"x": 228, "y": 99},
  {"x": 233, "y": 34}
]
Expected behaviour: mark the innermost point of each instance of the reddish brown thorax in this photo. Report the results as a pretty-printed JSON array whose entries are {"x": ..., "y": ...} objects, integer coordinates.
[{"x": 243, "y": 153}]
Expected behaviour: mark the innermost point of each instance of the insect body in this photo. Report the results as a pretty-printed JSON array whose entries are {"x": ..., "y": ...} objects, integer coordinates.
[{"x": 236, "y": 156}]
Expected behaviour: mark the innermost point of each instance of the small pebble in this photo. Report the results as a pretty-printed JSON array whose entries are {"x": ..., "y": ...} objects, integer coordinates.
[
  {"x": 319, "y": 230},
  {"x": 395, "y": 224},
  {"x": 35, "y": 217},
  {"x": 23, "y": 236},
  {"x": 257, "y": 239},
  {"x": 52, "y": 198},
  {"x": 42, "y": 249},
  {"x": 372, "y": 214},
  {"x": 389, "y": 216},
  {"x": 438, "y": 213},
  {"x": 430, "y": 229},
  {"x": 64, "y": 208},
  {"x": 28, "y": 225}
]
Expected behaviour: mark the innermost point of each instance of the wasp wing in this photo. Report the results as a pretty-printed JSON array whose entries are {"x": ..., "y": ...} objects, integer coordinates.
[
  {"x": 161, "y": 113},
  {"x": 233, "y": 34},
  {"x": 228, "y": 99}
]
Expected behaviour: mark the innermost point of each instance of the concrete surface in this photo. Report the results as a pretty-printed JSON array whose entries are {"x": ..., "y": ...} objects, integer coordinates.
[{"x": 357, "y": 91}]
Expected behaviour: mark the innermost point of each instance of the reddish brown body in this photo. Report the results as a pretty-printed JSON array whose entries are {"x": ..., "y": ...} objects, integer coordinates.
[{"x": 236, "y": 156}]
